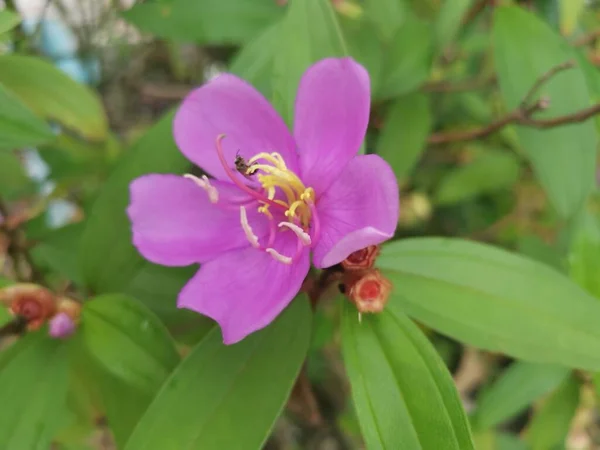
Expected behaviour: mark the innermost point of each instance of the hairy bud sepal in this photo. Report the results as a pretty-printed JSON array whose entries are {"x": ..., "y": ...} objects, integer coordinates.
[
  {"x": 368, "y": 290},
  {"x": 32, "y": 302}
]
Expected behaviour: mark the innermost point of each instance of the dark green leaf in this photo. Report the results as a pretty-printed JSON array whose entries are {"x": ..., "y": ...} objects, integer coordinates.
[
  {"x": 14, "y": 182},
  {"x": 228, "y": 397},
  {"x": 495, "y": 300},
  {"x": 206, "y": 21},
  {"x": 518, "y": 386},
  {"x": 33, "y": 388},
  {"x": 128, "y": 341},
  {"x": 404, "y": 133},
  {"x": 19, "y": 127},
  {"x": 564, "y": 158},
  {"x": 51, "y": 93},
  {"x": 552, "y": 421},
  {"x": 401, "y": 388}
]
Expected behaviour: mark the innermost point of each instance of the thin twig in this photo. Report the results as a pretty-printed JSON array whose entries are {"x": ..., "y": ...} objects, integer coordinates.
[
  {"x": 523, "y": 115},
  {"x": 15, "y": 327},
  {"x": 459, "y": 86},
  {"x": 586, "y": 38}
]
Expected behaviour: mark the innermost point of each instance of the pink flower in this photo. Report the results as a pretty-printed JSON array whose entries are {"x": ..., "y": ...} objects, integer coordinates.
[
  {"x": 61, "y": 326},
  {"x": 252, "y": 232}
]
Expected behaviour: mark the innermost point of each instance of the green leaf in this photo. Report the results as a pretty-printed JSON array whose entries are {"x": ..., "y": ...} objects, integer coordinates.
[
  {"x": 405, "y": 131},
  {"x": 552, "y": 421},
  {"x": 518, "y": 386},
  {"x": 109, "y": 262},
  {"x": 449, "y": 21},
  {"x": 584, "y": 260},
  {"x": 218, "y": 387},
  {"x": 206, "y": 21},
  {"x": 8, "y": 20},
  {"x": 51, "y": 93},
  {"x": 33, "y": 388},
  {"x": 19, "y": 127},
  {"x": 400, "y": 386},
  {"x": 563, "y": 158},
  {"x": 128, "y": 341},
  {"x": 14, "y": 182},
  {"x": 490, "y": 171},
  {"x": 408, "y": 59},
  {"x": 386, "y": 15},
  {"x": 310, "y": 32},
  {"x": 495, "y": 300},
  {"x": 570, "y": 10}
]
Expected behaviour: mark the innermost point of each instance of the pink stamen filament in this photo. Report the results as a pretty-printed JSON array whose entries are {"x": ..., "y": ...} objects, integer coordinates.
[{"x": 316, "y": 223}]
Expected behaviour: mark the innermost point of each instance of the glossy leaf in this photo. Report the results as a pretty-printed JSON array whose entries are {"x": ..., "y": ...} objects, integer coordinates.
[
  {"x": 128, "y": 341},
  {"x": 155, "y": 151},
  {"x": 563, "y": 158},
  {"x": 33, "y": 388},
  {"x": 212, "y": 398},
  {"x": 206, "y": 21},
  {"x": 552, "y": 421},
  {"x": 516, "y": 388},
  {"x": 51, "y": 93},
  {"x": 402, "y": 390},
  {"x": 494, "y": 299},
  {"x": 8, "y": 20},
  {"x": 310, "y": 32},
  {"x": 490, "y": 171},
  {"x": 408, "y": 59},
  {"x": 403, "y": 137},
  {"x": 19, "y": 126}
]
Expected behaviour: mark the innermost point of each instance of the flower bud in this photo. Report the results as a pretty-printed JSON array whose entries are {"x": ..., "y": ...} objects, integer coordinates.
[
  {"x": 61, "y": 326},
  {"x": 35, "y": 303},
  {"x": 70, "y": 307},
  {"x": 369, "y": 291},
  {"x": 361, "y": 259}
]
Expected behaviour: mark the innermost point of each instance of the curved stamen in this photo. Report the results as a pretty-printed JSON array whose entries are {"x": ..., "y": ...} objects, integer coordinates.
[
  {"x": 252, "y": 238},
  {"x": 303, "y": 237},
  {"x": 204, "y": 183},
  {"x": 278, "y": 256}
]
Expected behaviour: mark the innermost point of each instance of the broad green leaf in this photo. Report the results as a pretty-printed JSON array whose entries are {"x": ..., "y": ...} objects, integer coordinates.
[
  {"x": 551, "y": 423},
  {"x": 206, "y": 21},
  {"x": 51, "y": 93},
  {"x": 491, "y": 171},
  {"x": 570, "y": 10},
  {"x": 406, "y": 127},
  {"x": 490, "y": 440},
  {"x": 402, "y": 390},
  {"x": 8, "y": 20},
  {"x": 518, "y": 386},
  {"x": 309, "y": 32},
  {"x": 408, "y": 59},
  {"x": 19, "y": 127},
  {"x": 584, "y": 254},
  {"x": 532, "y": 246},
  {"x": 14, "y": 182},
  {"x": 494, "y": 299},
  {"x": 386, "y": 16},
  {"x": 33, "y": 388},
  {"x": 563, "y": 158},
  {"x": 254, "y": 62},
  {"x": 128, "y": 341},
  {"x": 228, "y": 397},
  {"x": 58, "y": 251},
  {"x": 109, "y": 262},
  {"x": 449, "y": 21}
]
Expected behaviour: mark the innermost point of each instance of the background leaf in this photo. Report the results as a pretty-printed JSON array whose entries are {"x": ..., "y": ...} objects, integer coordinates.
[
  {"x": 217, "y": 386},
  {"x": 401, "y": 389}
]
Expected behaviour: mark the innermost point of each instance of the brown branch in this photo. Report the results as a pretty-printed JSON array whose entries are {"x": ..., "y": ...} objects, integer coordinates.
[
  {"x": 17, "y": 326},
  {"x": 459, "y": 86},
  {"x": 523, "y": 115},
  {"x": 586, "y": 38}
]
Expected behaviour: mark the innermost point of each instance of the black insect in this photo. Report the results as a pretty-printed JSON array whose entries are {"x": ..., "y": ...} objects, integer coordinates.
[{"x": 242, "y": 166}]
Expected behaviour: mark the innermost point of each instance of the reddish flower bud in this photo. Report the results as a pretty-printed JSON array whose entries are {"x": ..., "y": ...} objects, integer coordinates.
[
  {"x": 361, "y": 259},
  {"x": 369, "y": 291},
  {"x": 35, "y": 303},
  {"x": 70, "y": 307}
]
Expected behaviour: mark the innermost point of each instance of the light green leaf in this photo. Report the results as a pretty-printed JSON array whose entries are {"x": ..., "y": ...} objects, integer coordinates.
[
  {"x": 563, "y": 158},
  {"x": 490, "y": 171},
  {"x": 570, "y": 10},
  {"x": 19, "y": 127},
  {"x": 228, "y": 397},
  {"x": 493, "y": 299},
  {"x": 552, "y": 421},
  {"x": 8, "y": 20},
  {"x": 584, "y": 254},
  {"x": 518, "y": 386},
  {"x": 386, "y": 15},
  {"x": 406, "y": 127},
  {"x": 206, "y": 21},
  {"x": 33, "y": 388},
  {"x": 310, "y": 32},
  {"x": 449, "y": 21},
  {"x": 400, "y": 386},
  {"x": 13, "y": 179},
  {"x": 51, "y": 93},
  {"x": 128, "y": 341},
  {"x": 408, "y": 59}
]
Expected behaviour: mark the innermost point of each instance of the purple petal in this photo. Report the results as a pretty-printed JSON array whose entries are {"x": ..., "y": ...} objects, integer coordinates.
[
  {"x": 244, "y": 290},
  {"x": 61, "y": 326},
  {"x": 360, "y": 209},
  {"x": 331, "y": 118},
  {"x": 175, "y": 224},
  {"x": 229, "y": 105}
]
